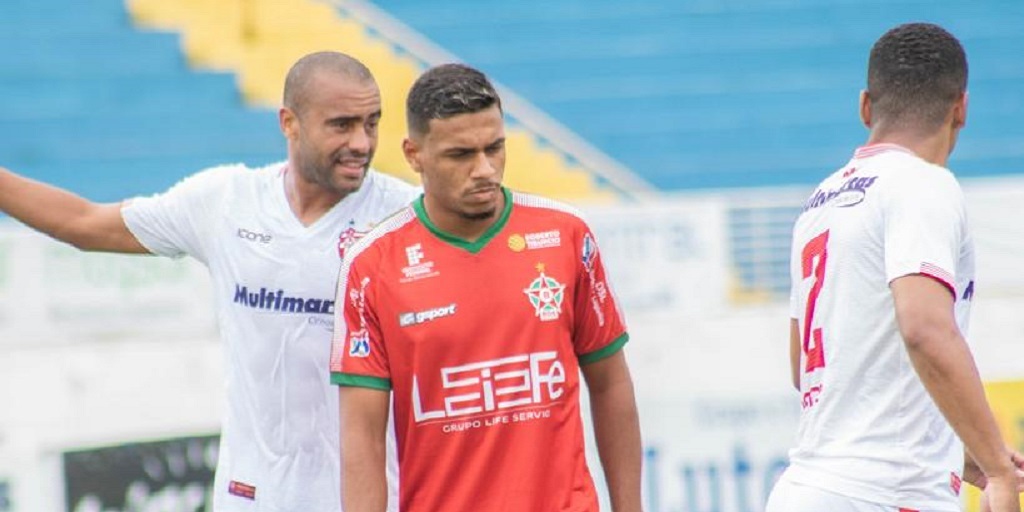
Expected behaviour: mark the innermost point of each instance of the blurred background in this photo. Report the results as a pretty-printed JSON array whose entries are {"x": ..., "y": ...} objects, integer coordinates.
[{"x": 689, "y": 131}]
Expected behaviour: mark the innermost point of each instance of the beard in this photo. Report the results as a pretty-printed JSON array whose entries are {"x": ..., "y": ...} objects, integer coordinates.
[
  {"x": 484, "y": 215},
  {"x": 321, "y": 173}
]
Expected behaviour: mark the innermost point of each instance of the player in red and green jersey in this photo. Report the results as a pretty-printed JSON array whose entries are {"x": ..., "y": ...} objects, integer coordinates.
[{"x": 477, "y": 308}]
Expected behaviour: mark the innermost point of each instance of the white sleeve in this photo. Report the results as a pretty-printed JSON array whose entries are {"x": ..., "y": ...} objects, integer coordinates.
[
  {"x": 924, "y": 227},
  {"x": 177, "y": 222}
]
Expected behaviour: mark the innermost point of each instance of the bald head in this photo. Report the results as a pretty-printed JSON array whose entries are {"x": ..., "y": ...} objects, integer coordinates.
[{"x": 300, "y": 76}]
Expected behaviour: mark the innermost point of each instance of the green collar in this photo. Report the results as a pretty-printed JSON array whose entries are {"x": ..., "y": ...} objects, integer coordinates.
[{"x": 473, "y": 247}]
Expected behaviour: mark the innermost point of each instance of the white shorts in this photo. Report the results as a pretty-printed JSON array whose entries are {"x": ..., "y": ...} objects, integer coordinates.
[{"x": 788, "y": 496}]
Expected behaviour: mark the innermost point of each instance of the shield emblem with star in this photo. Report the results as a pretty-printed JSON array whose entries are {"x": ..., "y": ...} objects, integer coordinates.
[{"x": 546, "y": 295}]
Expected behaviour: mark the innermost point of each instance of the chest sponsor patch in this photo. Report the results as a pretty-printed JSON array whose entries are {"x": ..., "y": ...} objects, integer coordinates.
[
  {"x": 419, "y": 317},
  {"x": 532, "y": 241},
  {"x": 495, "y": 392},
  {"x": 417, "y": 267}
]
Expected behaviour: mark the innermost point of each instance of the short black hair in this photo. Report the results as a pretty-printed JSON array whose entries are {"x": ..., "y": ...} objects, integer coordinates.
[
  {"x": 296, "y": 84},
  {"x": 916, "y": 72},
  {"x": 446, "y": 91}
]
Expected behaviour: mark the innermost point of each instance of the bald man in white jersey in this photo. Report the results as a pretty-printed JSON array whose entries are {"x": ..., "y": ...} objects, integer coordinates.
[
  {"x": 882, "y": 283},
  {"x": 273, "y": 240}
]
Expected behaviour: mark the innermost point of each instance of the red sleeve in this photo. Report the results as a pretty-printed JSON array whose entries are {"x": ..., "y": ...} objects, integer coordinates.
[
  {"x": 600, "y": 329},
  {"x": 358, "y": 355}
]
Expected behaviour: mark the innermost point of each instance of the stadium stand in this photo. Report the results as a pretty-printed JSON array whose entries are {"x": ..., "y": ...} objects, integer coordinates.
[
  {"x": 727, "y": 93},
  {"x": 689, "y": 95},
  {"x": 730, "y": 94},
  {"x": 109, "y": 111},
  {"x": 91, "y": 104}
]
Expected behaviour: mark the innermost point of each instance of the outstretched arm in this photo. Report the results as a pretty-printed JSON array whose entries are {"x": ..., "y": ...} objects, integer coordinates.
[
  {"x": 65, "y": 216},
  {"x": 364, "y": 420},
  {"x": 939, "y": 353},
  {"x": 616, "y": 429}
]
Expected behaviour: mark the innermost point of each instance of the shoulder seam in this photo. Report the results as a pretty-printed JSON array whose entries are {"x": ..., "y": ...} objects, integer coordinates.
[
  {"x": 388, "y": 225},
  {"x": 534, "y": 201}
]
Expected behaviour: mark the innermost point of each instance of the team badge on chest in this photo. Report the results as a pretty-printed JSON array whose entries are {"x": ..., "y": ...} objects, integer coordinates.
[
  {"x": 349, "y": 237},
  {"x": 546, "y": 295}
]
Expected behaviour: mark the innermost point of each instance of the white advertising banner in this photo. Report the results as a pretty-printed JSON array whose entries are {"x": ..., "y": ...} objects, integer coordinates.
[
  {"x": 51, "y": 292},
  {"x": 668, "y": 256},
  {"x": 717, "y": 415}
]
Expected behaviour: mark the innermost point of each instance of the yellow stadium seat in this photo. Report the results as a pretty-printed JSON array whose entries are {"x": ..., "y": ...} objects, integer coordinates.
[{"x": 261, "y": 39}]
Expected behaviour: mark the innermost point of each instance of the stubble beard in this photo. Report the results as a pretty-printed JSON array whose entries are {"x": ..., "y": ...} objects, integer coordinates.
[
  {"x": 479, "y": 215},
  {"x": 322, "y": 175}
]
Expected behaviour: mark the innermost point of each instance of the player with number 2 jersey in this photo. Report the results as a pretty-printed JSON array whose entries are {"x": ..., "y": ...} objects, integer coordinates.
[
  {"x": 868, "y": 427},
  {"x": 882, "y": 271}
]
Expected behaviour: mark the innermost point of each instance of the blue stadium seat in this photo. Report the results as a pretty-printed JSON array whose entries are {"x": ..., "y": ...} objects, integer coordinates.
[
  {"x": 94, "y": 105},
  {"x": 716, "y": 93}
]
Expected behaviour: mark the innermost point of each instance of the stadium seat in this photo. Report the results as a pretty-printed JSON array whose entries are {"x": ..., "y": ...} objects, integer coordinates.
[
  {"x": 698, "y": 94},
  {"x": 274, "y": 33}
]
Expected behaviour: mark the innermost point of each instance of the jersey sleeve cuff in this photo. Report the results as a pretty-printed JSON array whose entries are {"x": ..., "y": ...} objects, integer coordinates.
[
  {"x": 604, "y": 352},
  {"x": 361, "y": 381},
  {"x": 936, "y": 273},
  {"x": 941, "y": 276}
]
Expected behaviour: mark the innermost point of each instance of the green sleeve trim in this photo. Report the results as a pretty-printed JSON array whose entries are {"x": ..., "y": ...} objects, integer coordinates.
[
  {"x": 361, "y": 381},
  {"x": 606, "y": 351}
]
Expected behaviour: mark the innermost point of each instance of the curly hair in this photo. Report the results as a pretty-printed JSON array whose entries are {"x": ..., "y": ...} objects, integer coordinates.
[
  {"x": 916, "y": 72},
  {"x": 446, "y": 91}
]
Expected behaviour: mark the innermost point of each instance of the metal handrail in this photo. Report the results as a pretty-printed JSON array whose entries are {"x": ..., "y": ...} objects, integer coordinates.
[{"x": 609, "y": 170}]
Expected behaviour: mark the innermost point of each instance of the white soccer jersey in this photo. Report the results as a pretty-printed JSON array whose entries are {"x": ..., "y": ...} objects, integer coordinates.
[
  {"x": 273, "y": 281},
  {"x": 868, "y": 429}
]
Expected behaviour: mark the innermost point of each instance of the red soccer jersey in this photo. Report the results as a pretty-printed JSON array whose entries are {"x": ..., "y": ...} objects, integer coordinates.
[{"x": 481, "y": 344}]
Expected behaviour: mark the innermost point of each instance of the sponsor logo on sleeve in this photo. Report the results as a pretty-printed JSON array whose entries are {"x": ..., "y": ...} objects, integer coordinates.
[
  {"x": 968, "y": 291},
  {"x": 598, "y": 289},
  {"x": 359, "y": 344},
  {"x": 359, "y": 339},
  {"x": 588, "y": 255}
]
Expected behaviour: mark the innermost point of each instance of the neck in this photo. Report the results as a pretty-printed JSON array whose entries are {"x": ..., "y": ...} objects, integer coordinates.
[
  {"x": 454, "y": 224},
  {"x": 308, "y": 201},
  {"x": 933, "y": 147}
]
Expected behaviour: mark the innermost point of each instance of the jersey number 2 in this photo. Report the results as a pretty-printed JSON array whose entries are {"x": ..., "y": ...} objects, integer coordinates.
[{"x": 814, "y": 255}]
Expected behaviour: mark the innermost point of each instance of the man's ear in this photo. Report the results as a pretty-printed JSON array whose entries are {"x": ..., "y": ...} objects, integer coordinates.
[
  {"x": 865, "y": 108},
  {"x": 960, "y": 112},
  {"x": 289, "y": 123},
  {"x": 411, "y": 151}
]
